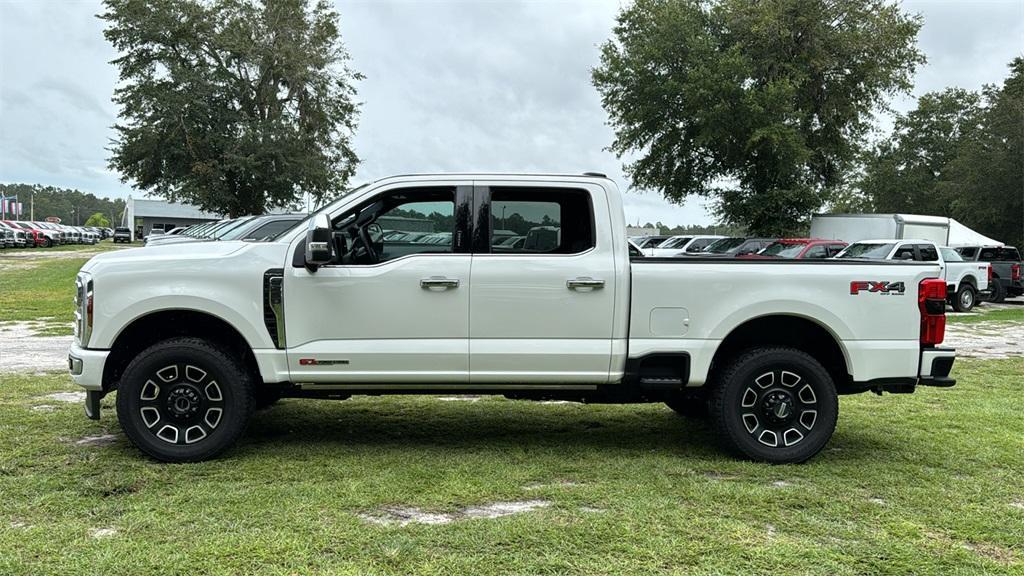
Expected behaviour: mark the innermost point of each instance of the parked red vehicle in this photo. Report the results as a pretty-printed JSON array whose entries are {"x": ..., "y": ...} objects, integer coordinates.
[
  {"x": 38, "y": 237},
  {"x": 800, "y": 248}
]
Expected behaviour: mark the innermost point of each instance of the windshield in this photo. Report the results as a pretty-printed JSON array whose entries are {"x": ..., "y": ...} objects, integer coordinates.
[
  {"x": 783, "y": 249},
  {"x": 724, "y": 245},
  {"x": 874, "y": 251},
  {"x": 950, "y": 255},
  {"x": 233, "y": 225},
  {"x": 675, "y": 242}
]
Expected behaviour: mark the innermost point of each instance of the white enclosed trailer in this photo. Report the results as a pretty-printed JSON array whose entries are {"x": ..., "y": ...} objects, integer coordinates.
[{"x": 855, "y": 227}]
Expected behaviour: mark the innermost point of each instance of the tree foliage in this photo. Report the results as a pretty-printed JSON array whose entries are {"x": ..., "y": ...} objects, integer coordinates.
[
  {"x": 958, "y": 154},
  {"x": 98, "y": 220},
  {"x": 759, "y": 104},
  {"x": 235, "y": 106},
  {"x": 901, "y": 174}
]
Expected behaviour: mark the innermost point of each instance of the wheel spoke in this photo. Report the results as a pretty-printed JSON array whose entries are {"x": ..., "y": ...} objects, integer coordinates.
[
  {"x": 212, "y": 417},
  {"x": 168, "y": 373},
  {"x": 750, "y": 422},
  {"x": 150, "y": 391},
  {"x": 150, "y": 416},
  {"x": 168, "y": 433},
  {"x": 749, "y": 398},
  {"x": 790, "y": 379},
  {"x": 194, "y": 374},
  {"x": 764, "y": 437},
  {"x": 808, "y": 418},
  {"x": 765, "y": 380},
  {"x": 212, "y": 391},
  {"x": 806, "y": 395},
  {"x": 194, "y": 434},
  {"x": 792, "y": 436}
]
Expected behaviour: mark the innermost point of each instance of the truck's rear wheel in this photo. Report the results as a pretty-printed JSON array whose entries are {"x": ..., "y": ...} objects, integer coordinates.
[
  {"x": 184, "y": 400},
  {"x": 775, "y": 405},
  {"x": 998, "y": 291},
  {"x": 965, "y": 298}
]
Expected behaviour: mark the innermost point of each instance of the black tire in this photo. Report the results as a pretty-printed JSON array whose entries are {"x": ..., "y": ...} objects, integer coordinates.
[
  {"x": 998, "y": 291},
  {"x": 49, "y": 243},
  {"x": 692, "y": 407},
  {"x": 784, "y": 418},
  {"x": 208, "y": 391},
  {"x": 965, "y": 298}
]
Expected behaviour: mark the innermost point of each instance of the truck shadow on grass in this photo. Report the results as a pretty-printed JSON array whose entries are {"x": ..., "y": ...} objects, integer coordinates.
[{"x": 504, "y": 425}]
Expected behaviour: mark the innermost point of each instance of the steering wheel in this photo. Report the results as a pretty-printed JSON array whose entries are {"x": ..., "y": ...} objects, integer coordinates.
[{"x": 364, "y": 238}]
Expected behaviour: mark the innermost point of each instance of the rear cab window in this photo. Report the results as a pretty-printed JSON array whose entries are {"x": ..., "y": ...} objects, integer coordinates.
[{"x": 528, "y": 220}]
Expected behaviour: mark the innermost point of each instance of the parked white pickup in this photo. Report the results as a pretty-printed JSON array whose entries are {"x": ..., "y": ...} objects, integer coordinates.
[
  {"x": 193, "y": 337},
  {"x": 964, "y": 280}
]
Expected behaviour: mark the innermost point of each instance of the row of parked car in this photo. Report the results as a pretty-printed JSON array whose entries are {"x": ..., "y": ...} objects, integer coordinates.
[
  {"x": 26, "y": 234},
  {"x": 249, "y": 228},
  {"x": 972, "y": 273}
]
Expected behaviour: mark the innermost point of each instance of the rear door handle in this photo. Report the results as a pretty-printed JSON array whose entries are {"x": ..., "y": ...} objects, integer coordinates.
[
  {"x": 439, "y": 282},
  {"x": 584, "y": 282}
]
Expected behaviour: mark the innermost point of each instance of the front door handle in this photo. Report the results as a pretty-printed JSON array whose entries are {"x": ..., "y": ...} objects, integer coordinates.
[
  {"x": 439, "y": 282},
  {"x": 584, "y": 282}
]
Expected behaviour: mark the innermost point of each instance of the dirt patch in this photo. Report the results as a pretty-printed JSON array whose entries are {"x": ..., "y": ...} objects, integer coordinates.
[
  {"x": 24, "y": 352},
  {"x": 99, "y": 440},
  {"x": 986, "y": 339},
  {"x": 403, "y": 516},
  {"x": 43, "y": 408},
  {"x": 458, "y": 398},
  {"x": 99, "y": 533},
  {"x": 781, "y": 484},
  {"x": 69, "y": 397}
]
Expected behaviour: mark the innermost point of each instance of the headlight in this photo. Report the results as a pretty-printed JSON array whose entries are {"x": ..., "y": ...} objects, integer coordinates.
[{"x": 83, "y": 309}]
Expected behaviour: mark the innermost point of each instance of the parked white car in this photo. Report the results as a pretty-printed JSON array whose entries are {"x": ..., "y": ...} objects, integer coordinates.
[
  {"x": 678, "y": 245},
  {"x": 192, "y": 340},
  {"x": 965, "y": 281}
]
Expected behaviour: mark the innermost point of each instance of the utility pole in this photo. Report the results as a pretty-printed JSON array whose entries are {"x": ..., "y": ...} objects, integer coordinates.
[{"x": 32, "y": 206}]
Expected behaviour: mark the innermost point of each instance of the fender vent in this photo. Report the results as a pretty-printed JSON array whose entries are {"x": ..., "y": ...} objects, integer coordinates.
[{"x": 273, "y": 305}]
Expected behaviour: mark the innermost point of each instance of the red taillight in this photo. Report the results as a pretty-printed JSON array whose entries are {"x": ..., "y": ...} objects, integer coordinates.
[
  {"x": 931, "y": 299},
  {"x": 989, "y": 273},
  {"x": 1015, "y": 272}
]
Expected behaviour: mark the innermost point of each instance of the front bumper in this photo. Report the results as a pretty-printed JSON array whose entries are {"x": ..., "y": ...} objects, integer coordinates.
[{"x": 86, "y": 367}]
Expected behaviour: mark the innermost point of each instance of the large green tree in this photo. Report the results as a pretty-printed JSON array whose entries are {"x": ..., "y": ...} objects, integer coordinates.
[
  {"x": 985, "y": 180},
  {"x": 232, "y": 105},
  {"x": 958, "y": 154},
  {"x": 759, "y": 104},
  {"x": 902, "y": 173}
]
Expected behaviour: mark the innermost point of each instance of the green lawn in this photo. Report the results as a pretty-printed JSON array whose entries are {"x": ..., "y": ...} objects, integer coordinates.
[
  {"x": 929, "y": 483},
  {"x": 102, "y": 246},
  {"x": 35, "y": 288},
  {"x": 989, "y": 314}
]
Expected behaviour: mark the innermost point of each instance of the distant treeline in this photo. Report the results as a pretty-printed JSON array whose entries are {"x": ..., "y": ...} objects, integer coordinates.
[
  {"x": 70, "y": 205},
  {"x": 711, "y": 229}
]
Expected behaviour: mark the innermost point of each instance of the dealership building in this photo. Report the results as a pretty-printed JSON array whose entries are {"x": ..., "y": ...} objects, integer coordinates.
[{"x": 142, "y": 215}]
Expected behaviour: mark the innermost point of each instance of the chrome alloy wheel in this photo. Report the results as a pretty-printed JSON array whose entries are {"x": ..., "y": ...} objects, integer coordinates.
[
  {"x": 778, "y": 408},
  {"x": 181, "y": 404}
]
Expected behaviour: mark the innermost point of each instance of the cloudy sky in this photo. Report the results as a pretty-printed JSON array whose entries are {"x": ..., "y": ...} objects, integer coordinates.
[{"x": 450, "y": 86}]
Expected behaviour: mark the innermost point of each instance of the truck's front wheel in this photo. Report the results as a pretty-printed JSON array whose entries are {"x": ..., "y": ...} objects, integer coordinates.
[
  {"x": 775, "y": 405},
  {"x": 184, "y": 400}
]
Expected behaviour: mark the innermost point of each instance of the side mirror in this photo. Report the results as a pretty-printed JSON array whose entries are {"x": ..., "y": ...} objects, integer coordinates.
[{"x": 319, "y": 248}]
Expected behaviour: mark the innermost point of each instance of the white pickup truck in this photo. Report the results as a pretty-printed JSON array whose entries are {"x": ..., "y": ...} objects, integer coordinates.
[
  {"x": 964, "y": 280},
  {"x": 194, "y": 338}
]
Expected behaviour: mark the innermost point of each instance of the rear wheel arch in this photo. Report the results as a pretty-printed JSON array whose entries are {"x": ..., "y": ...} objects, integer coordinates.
[
  {"x": 158, "y": 326},
  {"x": 787, "y": 330}
]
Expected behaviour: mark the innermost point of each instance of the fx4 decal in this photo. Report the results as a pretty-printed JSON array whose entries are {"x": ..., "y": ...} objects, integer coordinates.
[{"x": 882, "y": 287}]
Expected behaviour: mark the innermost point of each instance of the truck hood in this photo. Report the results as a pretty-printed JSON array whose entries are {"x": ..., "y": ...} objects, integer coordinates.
[{"x": 153, "y": 256}]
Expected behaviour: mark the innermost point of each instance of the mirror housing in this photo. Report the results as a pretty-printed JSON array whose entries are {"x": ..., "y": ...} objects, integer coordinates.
[{"x": 319, "y": 247}]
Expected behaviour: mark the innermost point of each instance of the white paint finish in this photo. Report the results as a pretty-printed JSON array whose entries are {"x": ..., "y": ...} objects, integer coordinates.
[
  {"x": 93, "y": 361},
  {"x": 413, "y": 360},
  {"x": 871, "y": 359},
  {"x": 701, "y": 353},
  {"x": 928, "y": 357},
  {"x": 381, "y": 320},
  {"x": 273, "y": 365},
  {"x": 223, "y": 279},
  {"x": 670, "y": 321},
  {"x": 527, "y": 325}
]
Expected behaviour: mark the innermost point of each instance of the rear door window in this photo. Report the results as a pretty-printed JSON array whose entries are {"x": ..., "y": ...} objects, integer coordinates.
[
  {"x": 542, "y": 221},
  {"x": 816, "y": 251},
  {"x": 905, "y": 252}
]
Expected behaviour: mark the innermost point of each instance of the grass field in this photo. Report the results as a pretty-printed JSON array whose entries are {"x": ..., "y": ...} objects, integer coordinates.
[{"x": 929, "y": 483}]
